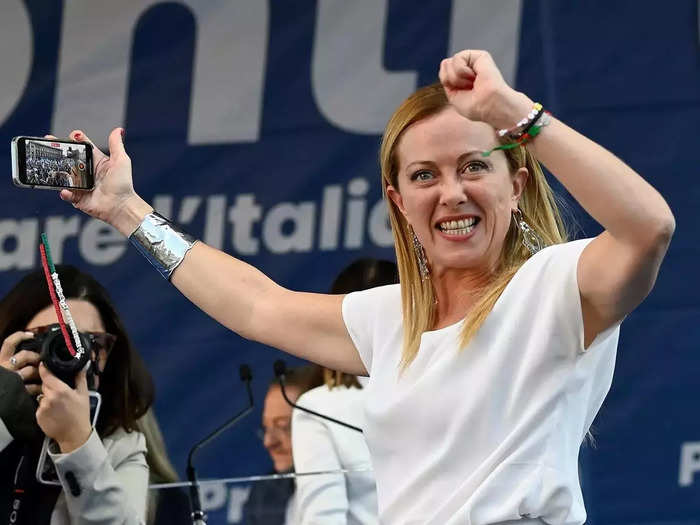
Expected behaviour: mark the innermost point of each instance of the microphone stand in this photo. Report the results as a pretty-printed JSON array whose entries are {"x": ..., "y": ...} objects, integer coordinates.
[
  {"x": 280, "y": 371},
  {"x": 198, "y": 515}
]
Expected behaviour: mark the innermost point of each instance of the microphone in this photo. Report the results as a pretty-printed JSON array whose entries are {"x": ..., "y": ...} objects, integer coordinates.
[
  {"x": 198, "y": 515},
  {"x": 280, "y": 369}
]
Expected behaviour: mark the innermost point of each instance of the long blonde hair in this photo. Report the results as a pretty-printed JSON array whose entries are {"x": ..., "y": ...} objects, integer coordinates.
[{"x": 537, "y": 203}]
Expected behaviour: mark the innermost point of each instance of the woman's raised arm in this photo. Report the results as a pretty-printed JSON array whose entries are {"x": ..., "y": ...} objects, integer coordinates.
[
  {"x": 231, "y": 291},
  {"x": 618, "y": 269}
]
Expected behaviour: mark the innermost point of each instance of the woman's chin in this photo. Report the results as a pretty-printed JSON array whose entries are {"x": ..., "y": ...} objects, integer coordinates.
[{"x": 465, "y": 260}]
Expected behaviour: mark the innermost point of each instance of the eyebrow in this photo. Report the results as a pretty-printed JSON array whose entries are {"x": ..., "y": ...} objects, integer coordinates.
[{"x": 460, "y": 159}]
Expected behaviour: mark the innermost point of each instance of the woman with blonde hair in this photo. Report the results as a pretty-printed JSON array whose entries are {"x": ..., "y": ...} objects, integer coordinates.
[{"x": 489, "y": 361}]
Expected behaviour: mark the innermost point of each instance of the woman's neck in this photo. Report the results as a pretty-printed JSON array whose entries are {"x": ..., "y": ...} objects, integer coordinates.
[{"x": 456, "y": 292}]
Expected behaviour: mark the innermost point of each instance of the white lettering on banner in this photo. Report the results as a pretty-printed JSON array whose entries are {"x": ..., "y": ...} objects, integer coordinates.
[
  {"x": 492, "y": 25},
  {"x": 300, "y": 239},
  {"x": 356, "y": 213},
  {"x": 163, "y": 204},
  {"x": 16, "y": 55},
  {"x": 58, "y": 229},
  {"x": 379, "y": 225},
  {"x": 330, "y": 217},
  {"x": 214, "y": 229},
  {"x": 351, "y": 87},
  {"x": 228, "y": 77},
  {"x": 243, "y": 214},
  {"x": 100, "y": 244},
  {"x": 690, "y": 463},
  {"x": 212, "y": 496},
  {"x": 286, "y": 227},
  {"x": 236, "y": 499},
  {"x": 25, "y": 234},
  {"x": 188, "y": 209}
]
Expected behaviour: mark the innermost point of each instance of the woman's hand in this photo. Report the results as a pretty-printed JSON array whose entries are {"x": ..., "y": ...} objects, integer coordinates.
[
  {"x": 113, "y": 198},
  {"x": 64, "y": 413},
  {"x": 24, "y": 362},
  {"x": 475, "y": 87}
]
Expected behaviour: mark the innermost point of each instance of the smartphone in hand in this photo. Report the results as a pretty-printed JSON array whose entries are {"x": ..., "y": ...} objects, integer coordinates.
[{"x": 51, "y": 164}]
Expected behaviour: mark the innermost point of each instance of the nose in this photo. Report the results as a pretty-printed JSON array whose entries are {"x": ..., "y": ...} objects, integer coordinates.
[
  {"x": 270, "y": 440},
  {"x": 452, "y": 192}
]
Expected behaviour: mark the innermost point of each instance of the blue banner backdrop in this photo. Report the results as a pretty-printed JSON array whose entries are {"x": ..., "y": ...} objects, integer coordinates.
[{"x": 257, "y": 124}]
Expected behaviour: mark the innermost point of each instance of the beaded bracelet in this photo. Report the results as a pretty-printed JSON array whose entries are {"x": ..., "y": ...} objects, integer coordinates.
[
  {"x": 524, "y": 124},
  {"x": 533, "y": 130}
]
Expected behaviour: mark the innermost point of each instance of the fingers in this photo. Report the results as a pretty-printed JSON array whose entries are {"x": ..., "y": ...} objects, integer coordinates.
[
  {"x": 473, "y": 58},
  {"x": 116, "y": 144},
  {"x": 456, "y": 74},
  {"x": 97, "y": 154},
  {"x": 26, "y": 357},
  {"x": 29, "y": 373},
  {"x": 50, "y": 381},
  {"x": 33, "y": 389},
  {"x": 26, "y": 363},
  {"x": 67, "y": 195},
  {"x": 81, "y": 380},
  {"x": 72, "y": 196},
  {"x": 9, "y": 345}
]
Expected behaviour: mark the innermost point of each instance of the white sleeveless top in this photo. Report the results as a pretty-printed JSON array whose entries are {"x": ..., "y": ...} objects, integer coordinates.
[{"x": 491, "y": 432}]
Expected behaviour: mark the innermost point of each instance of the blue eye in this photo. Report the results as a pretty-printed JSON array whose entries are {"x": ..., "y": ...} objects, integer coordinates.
[
  {"x": 422, "y": 175},
  {"x": 474, "y": 166}
]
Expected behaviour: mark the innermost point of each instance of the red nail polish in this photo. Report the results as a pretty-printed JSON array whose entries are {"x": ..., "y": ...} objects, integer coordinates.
[
  {"x": 123, "y": 133},
  {"x": 77, "y": 136}
]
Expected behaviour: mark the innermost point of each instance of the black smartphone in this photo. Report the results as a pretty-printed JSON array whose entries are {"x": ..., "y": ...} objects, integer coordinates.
[{"x": 51, "y": 164}]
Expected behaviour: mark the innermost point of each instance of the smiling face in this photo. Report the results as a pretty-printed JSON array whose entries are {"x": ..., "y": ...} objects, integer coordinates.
[{"x": 458, "y": 202}]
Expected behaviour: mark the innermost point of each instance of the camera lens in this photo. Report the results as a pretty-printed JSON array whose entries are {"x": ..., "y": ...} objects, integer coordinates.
[
  {"x": 58, "y": 359},
  {"x": 57, "y": 349}
]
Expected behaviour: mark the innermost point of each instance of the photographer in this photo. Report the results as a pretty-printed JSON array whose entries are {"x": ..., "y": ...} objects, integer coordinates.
[{"x": 103, "y": 470}]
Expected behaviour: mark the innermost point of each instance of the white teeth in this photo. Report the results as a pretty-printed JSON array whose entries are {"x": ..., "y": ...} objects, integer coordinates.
[
  {"x": 458, "y": 227},
  {"x": 459, "y": 231}
]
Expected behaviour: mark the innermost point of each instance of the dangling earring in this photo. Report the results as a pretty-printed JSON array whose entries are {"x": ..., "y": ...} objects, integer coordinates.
[
  {"x": 530, "y": 239},
  {"x": 420, "y": 255}
]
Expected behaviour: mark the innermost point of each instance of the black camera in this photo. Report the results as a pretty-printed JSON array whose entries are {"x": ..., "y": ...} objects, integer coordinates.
[{"x": 54, "y": 353}]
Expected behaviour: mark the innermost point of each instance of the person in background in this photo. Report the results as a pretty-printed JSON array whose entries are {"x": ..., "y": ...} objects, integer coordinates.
[
  {"x": 273, "y": 502},
  {"x": 320, "y": 445},
  {"x": 102, "y": 471}
]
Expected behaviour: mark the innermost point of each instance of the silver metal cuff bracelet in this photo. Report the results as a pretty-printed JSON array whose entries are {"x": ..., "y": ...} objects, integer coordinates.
[{"x": 159, "y": 241}]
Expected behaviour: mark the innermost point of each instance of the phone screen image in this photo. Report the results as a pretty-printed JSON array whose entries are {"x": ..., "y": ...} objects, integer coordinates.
[{"x": 56, "y": 164}]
